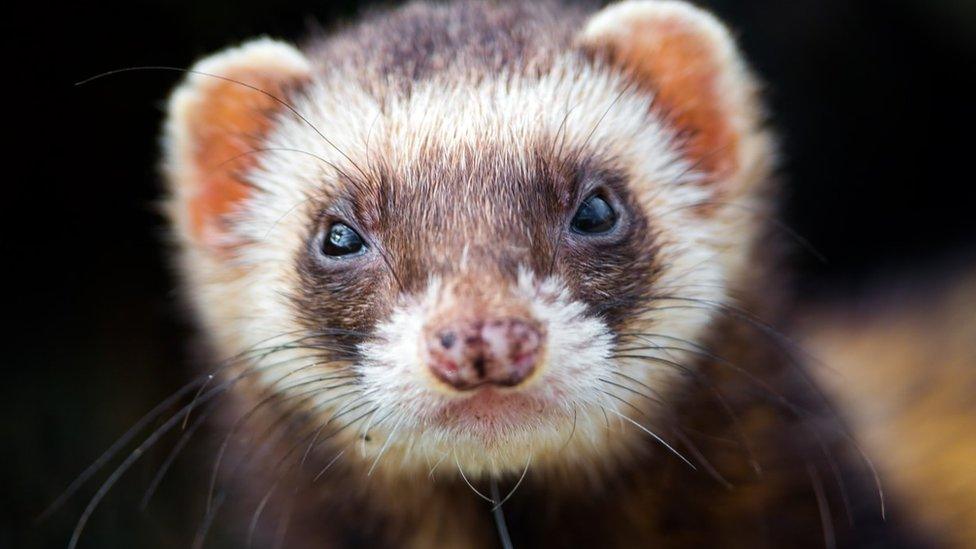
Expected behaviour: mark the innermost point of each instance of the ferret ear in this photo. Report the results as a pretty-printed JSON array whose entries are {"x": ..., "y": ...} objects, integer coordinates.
[
  {"x": 221, "y": 111},
  {"x": 688, "y": 61}
]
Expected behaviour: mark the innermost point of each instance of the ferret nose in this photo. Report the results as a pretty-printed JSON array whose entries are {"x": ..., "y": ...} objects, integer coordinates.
[{"x": 470, "y": 353}]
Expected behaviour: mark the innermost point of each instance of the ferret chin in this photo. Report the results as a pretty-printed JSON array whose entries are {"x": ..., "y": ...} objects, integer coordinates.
[{"x": 504, "y": 251}]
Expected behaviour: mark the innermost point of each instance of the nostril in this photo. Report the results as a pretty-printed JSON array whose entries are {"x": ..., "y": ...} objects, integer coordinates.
[
  {"x": 447, "y": 339},
  {"x": 479, "y": 366}
]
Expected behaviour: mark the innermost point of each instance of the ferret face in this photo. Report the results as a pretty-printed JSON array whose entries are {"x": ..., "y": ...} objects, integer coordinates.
[{"x": 484, "y": 270}]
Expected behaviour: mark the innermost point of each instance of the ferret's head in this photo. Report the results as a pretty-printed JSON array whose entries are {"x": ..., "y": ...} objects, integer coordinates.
[{"x": 479, "y": 260}]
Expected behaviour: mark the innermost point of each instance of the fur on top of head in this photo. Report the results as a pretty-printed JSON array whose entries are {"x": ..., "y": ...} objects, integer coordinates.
[{"x": 455, "y": 145}]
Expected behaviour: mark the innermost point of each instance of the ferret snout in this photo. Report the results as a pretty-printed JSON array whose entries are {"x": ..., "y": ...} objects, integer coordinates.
[{"x": 470, "y": 353}]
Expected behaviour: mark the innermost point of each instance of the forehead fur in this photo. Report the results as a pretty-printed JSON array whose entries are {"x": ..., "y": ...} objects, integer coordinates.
[
  {"x": 498, "y": 131},
  {"x": 389, "y": 52}
]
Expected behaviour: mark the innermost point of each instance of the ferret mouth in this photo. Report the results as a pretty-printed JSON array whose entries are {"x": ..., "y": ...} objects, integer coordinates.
[{"x": 490, "y": 412}]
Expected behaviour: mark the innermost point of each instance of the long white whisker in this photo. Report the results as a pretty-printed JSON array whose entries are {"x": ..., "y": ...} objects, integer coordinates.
[
  {"x": 517, "y": 484},
  {"x": 466, "y": 481},
  {"x": 386, "y": 445},
  {"x": 431, "y": 473},
  {"x": 328, "y": 465},
  {"x": 653, "y": 434}
]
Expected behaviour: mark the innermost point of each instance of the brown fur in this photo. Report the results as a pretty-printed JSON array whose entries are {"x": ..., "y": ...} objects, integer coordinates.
[
  {"x": 905, "y": 369},
  {"x": 388, "y": 53}
]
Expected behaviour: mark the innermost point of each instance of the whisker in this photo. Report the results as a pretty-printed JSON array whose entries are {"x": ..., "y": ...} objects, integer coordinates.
[
  {"x": 365, "y": 434},
  {"x": 140, "y": 450},
  {"x": 266, "y": 93},
  {"x": 267, "y": 446},
  {"x": 195, "y": 397},
  {"x": 283, "y": 524},
  {"x": 874, "y": 473},
  {"x": 744, "y": 441},
  {"x": 252, "y": 526},
  {"x": 468, "y": 482},
  {"x": 152, "y": 415},
  {"x": 116, "y": 446},
  {"x": 259, "y": 150},
  {"x": 328, "y": 465},
  {"x": 700, "y": 457},
  {"x": 318, "y": 431},
  {"x": 823, "y": 507},
  {"x": 386, "y": 445},
  {"x": 790, "y": 350},
  {"x": 514, "y": 488},
  {"x": 499, "y": 516},
  {"x": 769, "y": 389},
  {"x": 599, "y": 122},
  {"x": 350, "y": 423},
  {"x": 245, "y": 417},
  {"x": 572, "y": 431},
  {"x": 631, "y": 390},
  {"x": 168, "y": 462},
  {"x": 337, "y": 414},
  {"x": 606, "y": 418},
  {"x": 430, "y": 474},
  {"x": 651, "y": 433},
  {"x": 208, "y": 519},
  {"x": 638, "y": 382},
  {"x": 332, "y": 434},
  {"x": 835, "y": 471}
]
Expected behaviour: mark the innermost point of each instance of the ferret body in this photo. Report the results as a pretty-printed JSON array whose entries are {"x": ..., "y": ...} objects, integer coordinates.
[
  {"x": 487, "y": 273},
  {"x": 912, "y": 348}
]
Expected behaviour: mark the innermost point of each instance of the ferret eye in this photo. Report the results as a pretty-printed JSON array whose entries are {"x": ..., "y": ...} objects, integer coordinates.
[
  {"x": 342, "y": 240},
  {"x": 594, "y": 216}
]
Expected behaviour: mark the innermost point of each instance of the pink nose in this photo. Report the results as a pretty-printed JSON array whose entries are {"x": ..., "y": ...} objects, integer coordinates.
[{"x": 468, "y": 354}]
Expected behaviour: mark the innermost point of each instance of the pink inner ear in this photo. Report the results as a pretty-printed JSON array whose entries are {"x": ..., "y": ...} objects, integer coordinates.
[
  {"x": 224, "y": 127},
  {"x": 671, "y": 58}
]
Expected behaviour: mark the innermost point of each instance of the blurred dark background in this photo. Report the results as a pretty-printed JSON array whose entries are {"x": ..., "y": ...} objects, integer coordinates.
[{"x": 874, "y": 101}]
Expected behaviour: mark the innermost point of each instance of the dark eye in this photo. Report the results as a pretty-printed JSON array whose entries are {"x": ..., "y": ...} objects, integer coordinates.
[
  {"x": 594, "y": 216},
  {"x": 341, "y": 240}
]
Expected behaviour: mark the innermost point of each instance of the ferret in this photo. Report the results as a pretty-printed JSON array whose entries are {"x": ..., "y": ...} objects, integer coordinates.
[{"x": 500, "y": 274}]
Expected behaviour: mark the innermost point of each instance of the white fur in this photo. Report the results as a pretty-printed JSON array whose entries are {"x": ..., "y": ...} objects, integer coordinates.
[{"x": 578, "y": 354}]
